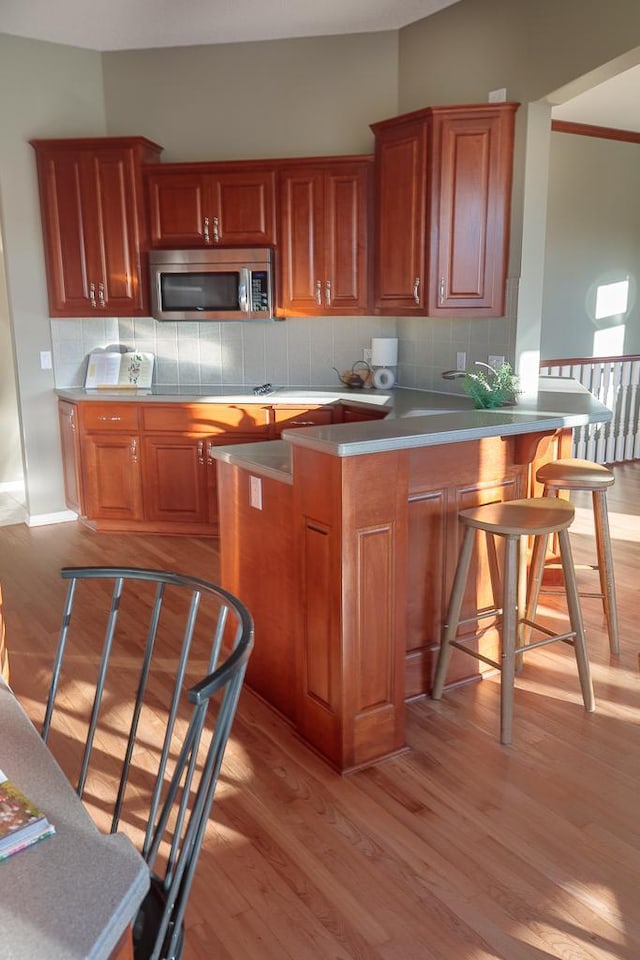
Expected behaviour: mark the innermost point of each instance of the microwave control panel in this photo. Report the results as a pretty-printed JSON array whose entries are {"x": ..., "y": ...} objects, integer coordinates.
[{"x": 260, "y": 297}]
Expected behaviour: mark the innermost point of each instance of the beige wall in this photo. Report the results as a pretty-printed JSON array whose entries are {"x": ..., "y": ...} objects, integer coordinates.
[
  {"x": 279, "y": 98},
  {"x": 531, "y": 47},
  {"x": 10, "y": 448},
  {"x": 45, "y": 90}
]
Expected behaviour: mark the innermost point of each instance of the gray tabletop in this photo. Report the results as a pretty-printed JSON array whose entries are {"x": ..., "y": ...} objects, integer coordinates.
[{"x": 72, "y": 895}]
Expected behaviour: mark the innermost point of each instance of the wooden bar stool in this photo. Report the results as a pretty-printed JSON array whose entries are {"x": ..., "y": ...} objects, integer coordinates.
[
  {"x": 573, "y": 474},
  {"x": 535, "y": 517}
]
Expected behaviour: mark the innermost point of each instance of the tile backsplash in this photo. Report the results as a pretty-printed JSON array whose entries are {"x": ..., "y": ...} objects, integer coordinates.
[{"x": 300, "y": 352}]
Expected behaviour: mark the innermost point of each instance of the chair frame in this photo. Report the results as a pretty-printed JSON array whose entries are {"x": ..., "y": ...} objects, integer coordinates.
[{"x": 172, "y": 795}]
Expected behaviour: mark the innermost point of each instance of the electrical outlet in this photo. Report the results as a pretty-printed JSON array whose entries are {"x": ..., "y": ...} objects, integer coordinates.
[
  {"x": 495, "y": 360},
  {"x": 366, "y": 354},
  {"x": 255, "y": 492},
  {"x": 461, "y": 360}
]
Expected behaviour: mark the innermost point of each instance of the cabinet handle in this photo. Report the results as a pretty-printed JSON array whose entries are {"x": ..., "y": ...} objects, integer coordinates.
[
  {"x": 109, "y": 419},
  {"x": 327, "y": 293},
  {"x": 72, "y": 420},
  {"x": 92, "y": 293},
  {"x": 133, "y": 446},
  {"x": 205, "y": 228},
  {"x": 210, "y": 459},
  {"x": 319, "y": 292},
  {"x": 101, "y": 300},
  {"x": 443, "y": 290},
  {"x": 416, "y": 289},
  {"x": 201, "y": 451},
  {"x": 216, "y": 230}
]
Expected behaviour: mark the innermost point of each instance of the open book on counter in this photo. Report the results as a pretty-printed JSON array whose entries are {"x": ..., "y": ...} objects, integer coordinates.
[
  {"x": 21, "y": 822},
  {"x": 126, "y": 371}
]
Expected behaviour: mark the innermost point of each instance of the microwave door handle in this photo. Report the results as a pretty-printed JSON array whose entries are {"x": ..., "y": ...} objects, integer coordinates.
[{"x": 243, "y": 290}]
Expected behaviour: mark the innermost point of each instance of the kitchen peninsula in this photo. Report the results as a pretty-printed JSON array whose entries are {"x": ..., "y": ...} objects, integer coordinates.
[{"x": 343, "y": 539}]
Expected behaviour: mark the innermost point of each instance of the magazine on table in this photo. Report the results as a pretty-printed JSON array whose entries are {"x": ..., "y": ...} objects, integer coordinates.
[{"x": 21, "y": 822}]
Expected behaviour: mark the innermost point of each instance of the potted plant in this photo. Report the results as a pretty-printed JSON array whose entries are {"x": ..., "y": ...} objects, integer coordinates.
[{"x": 497, "y": 388}]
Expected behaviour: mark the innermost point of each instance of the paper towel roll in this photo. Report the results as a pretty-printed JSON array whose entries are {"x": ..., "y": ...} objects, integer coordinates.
[{"x": 384, "y": 351}]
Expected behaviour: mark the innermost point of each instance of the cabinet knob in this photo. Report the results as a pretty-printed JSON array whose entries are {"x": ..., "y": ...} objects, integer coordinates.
[
  {"x": 205, "y": 228},
  {"x": 216, "y": 230},
  {"x": 442, "y": 290},
  {"x": 92, "y": 294},
  {"x": 327, "y": 293},
  {"x": 319, "y": 292},
  {"x": 416, "y": 289}
]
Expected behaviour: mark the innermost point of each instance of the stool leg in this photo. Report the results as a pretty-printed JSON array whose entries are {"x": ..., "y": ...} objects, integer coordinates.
[
  {"x": 453, "y": 612},
  {"x": 575, "y": 615},
  {"x": 536, "y": 573},
  {"x": 509, "y": 630},
  {"x": 605, "y": 567}
]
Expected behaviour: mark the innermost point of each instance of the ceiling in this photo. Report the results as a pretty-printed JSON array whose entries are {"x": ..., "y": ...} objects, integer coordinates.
[
  {"x": 136, "y": 24},
  {"x": 106, "y": 25}
]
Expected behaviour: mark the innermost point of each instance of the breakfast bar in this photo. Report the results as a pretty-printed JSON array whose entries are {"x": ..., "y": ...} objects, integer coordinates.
[{"x": 343, "y": 540}]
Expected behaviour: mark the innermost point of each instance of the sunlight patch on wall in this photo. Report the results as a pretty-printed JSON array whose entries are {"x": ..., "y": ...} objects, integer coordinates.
[
  {"x": 609, "y": 342},
  {"x": 612, "y": 299}
]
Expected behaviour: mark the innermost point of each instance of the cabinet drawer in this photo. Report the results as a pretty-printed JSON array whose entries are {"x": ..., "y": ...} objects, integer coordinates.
[
  {"x": 287, "y": 418},
  {"x": 209, "y": 418},
  {"x": 109, "y": 416}
]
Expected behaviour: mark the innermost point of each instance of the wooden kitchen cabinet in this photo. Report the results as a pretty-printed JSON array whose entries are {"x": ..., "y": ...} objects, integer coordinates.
[
  {"x": 113, "y": 486},
  {"x": 199, "y": 205},
  {"x": 174, "y": 478},
  {"x": 70, "y": 448},
  {"x": 92, "y": 207},
  {"x": 443, "y": 192},
  {"x": 324, "y": 255}
]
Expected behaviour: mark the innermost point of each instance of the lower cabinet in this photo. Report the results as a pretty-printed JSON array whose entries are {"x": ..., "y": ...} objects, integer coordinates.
[
  {"x": 175, "y": 479},
  {"x": 112, "y": 477}
]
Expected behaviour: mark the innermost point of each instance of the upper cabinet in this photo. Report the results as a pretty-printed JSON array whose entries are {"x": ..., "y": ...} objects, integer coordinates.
[
  {"x": 323, "y": 225},
  {"x": 91, "y": 199},
  {"x": 199, "y": 205},
  {"x": 443, "y": 178}
]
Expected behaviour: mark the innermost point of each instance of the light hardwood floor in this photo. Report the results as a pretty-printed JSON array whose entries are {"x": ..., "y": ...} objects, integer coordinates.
[{"x": 461, "y": 849}]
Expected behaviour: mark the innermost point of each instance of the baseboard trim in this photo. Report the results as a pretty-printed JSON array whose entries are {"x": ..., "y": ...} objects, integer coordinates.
[{"x": 42, "y": 519}]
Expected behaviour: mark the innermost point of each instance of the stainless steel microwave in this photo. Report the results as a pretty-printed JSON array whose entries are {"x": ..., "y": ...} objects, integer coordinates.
[{"x": 212, "y": 284}]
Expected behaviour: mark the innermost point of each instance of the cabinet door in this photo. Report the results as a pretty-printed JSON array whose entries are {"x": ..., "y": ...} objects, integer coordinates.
[
  {"x": 346, "y": 280},
  {"x": 301, "y": 243},
  {"x": 244, "y": 208},
  {"x": 116, "y": 268},
  {"x": 71, "y": 464},
  {"x": 69, "y": 222},
  {"x": 174, "y": 478},
  {"x": 93, "y": 224},
  {"x": 112, "y": 481},
  {"x": 179, "y": 205},
  {"x": 472, "y": 153},
  {"x": 400, "y": 254}
]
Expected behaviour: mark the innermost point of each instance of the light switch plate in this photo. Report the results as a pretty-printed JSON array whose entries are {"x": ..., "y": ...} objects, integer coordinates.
[
  {"x": 45, "y": 360},
  {"x": 461, "y": 360},
  {"x": 255, "y": 492}
]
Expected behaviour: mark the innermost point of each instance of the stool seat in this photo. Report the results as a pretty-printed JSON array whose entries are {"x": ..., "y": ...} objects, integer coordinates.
[
  {"x": 575, "y": 475},
  {"x": 584, "y": 475},
  {"x": 513, "y": 520},
  {"x": 532, "y": 517}
]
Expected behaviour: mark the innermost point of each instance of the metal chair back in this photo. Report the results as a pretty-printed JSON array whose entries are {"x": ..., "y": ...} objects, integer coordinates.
[{"x": 145, "y": 685}]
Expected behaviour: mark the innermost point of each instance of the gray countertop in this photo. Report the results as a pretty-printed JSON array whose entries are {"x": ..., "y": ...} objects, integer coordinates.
[
  {"x": 415, "y": 418},
  {"x": 71, "y": 896}
]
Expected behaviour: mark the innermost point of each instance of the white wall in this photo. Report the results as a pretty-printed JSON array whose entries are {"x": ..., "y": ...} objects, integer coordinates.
[
  {"x": 593, "y": 238},
  {"x": 45, "y": 90}
]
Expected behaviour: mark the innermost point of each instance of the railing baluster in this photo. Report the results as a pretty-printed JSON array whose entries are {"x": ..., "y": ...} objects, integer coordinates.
[{"x": 615, "y": 381}]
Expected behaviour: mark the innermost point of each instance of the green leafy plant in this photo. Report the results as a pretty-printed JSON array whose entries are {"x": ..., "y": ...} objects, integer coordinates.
[{"x": 497, "y": 388}]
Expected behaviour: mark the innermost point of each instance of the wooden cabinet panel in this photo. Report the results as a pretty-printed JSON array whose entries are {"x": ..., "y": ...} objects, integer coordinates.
[
  {"x": 93, "y": 224},
  {"x": 112, "y": 480},
  {"x": 111, "y": 417},
  {"x": 174, "y": 478},
  {"x": 443, "y": 194},
  {"x": 356, "y": 414},
  {"x": 399, "y": 271},
  {"x": 196, "y": 205},
  {"x": 209, "y": 418},
  {"x": 287, "y": 418},
  {"x": 470, "y": 201},
  {"x": 71, "y": 462},
  {"x": 324, "y": 253}
]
